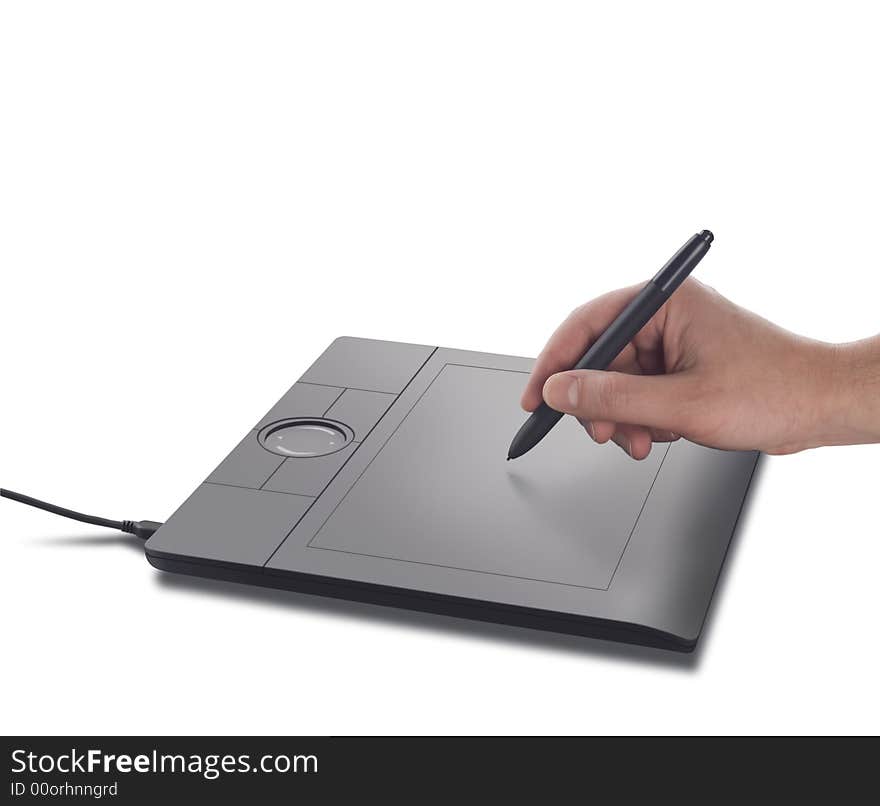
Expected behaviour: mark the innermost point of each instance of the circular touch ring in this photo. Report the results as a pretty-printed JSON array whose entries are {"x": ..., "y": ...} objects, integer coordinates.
[{"x": 305, "y": 437}]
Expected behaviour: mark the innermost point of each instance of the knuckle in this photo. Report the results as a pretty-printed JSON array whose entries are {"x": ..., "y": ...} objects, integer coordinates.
[{"x": 576, "y": 313}]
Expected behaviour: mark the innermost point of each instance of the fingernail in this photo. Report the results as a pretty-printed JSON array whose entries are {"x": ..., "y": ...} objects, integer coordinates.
[
  {"x": 573, "y": 393},
  {"x": 629, "y": 447},
  {"x": 589, "y": 427}
]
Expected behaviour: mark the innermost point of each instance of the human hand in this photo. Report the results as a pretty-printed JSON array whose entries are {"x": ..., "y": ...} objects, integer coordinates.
[{"x": 712, "y": 372}]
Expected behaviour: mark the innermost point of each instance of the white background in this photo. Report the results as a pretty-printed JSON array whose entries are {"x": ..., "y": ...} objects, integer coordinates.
[{"x": 196, "y": 198}]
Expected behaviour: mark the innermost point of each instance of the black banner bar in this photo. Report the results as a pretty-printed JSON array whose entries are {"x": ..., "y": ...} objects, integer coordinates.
[{"x": 266, "y": 769}]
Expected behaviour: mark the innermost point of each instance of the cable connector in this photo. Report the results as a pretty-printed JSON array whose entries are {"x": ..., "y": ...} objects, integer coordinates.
[{"x": 141, "y": 529}]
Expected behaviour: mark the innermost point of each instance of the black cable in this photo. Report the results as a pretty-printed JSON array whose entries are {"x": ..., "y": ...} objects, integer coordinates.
[{"x": 141, "y": 529}]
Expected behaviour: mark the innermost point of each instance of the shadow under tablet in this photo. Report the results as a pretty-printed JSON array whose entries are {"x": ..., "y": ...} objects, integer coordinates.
[{"x": 421, "y": 510}]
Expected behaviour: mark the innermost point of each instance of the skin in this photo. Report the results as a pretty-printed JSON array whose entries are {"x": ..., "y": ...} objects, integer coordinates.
[{"x": 714, "y": 373}]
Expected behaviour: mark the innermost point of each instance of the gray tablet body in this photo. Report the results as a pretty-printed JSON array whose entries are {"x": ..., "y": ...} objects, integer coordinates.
[{"x": 381, "y": 476}]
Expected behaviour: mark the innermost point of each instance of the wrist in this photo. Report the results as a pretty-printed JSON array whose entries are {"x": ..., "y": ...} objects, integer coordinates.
[{"x": 851, "y": 412}]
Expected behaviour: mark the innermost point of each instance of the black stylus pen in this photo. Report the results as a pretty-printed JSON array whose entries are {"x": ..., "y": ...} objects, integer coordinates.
[{"x": 619, "y": 333}]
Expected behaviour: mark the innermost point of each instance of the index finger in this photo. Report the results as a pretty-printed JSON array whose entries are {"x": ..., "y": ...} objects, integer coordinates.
[{"x": 572, "y": 338}]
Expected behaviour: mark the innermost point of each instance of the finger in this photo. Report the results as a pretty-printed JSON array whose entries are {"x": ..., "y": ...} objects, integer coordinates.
[
  {"x": 634, "y": 439},
  {"x": 657, "y": 401},
  {"x": 571, "y": 340},
  {"x": 603, "y": 430},
  {"x": 599, "y": 432}
]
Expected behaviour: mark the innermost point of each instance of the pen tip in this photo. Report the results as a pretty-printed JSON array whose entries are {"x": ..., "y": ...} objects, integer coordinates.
[{"x": 707, "y": 236}]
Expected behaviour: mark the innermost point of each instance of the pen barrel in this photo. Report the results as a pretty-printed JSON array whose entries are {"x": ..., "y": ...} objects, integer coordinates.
[
  {"x": 683, "y": 262},
  {"x": 646, "y": 303},
  {"x": 624, "y": 328}
]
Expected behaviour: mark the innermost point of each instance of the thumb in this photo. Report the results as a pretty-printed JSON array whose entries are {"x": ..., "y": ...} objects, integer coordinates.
[{"x": 655, "y": 401}]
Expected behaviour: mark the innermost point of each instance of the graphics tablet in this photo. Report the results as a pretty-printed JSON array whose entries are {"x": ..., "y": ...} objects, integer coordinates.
[{"x": 380, "y": 476}]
